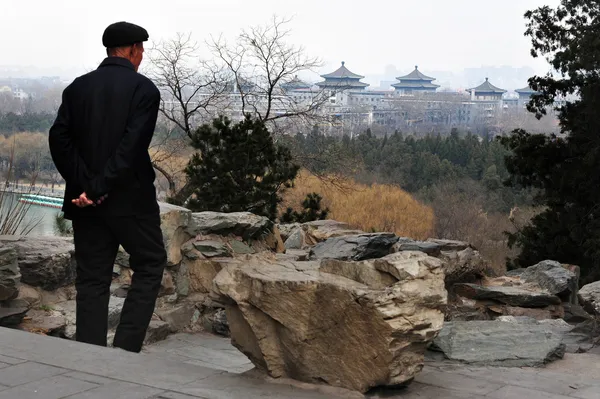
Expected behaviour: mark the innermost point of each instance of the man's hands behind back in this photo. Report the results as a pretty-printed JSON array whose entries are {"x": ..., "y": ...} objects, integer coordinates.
[{"x": 83, "y": 201}]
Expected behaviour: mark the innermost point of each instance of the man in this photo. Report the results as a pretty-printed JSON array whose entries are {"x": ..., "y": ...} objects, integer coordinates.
[{"x": 99, "y": 144}]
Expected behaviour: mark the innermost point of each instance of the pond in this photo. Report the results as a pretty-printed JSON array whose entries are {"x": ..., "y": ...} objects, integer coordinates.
[{"x": 41, "y": 217}]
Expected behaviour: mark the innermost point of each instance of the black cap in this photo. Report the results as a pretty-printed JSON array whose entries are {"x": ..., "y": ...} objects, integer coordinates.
[{"x": 122, "y": 34}]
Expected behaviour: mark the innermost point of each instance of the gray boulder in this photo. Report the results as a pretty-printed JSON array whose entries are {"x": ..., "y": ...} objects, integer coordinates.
[
  {"x": 589, "y": 296},
  {"x": 212, "y": 249},
  {"x": 552, "y": 277},
  {"x": 406, "y": 244},
  {"x": 286, "y": 230},
  {"x": 9, "y": 274},
  {"x": 500, "y": 343},
  {"x": 10, "y": 317},
  {"x": 513, "y": 296},
  {"x": 46, "y": 262},
  {"x": 450, "y": 245},
  {"x": 242, "y": 224},
  {"x": 355, "y": 247}
]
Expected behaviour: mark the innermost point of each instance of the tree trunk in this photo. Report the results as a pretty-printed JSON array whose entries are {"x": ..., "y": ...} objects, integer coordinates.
[{"x": 170, "y": 180}]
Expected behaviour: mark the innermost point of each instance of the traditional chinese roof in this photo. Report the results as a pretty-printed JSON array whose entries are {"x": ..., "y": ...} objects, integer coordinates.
[
  {"x": 295, "y": 84},
  {"x": 487, "y": 87},
  {"x": 526, "y": 90},
  {"x": 342, "y": 73},
  {"x": 416, "y": 75},
  {"x": 343, "y": 79},
  {"x": 343, "y": 84}
]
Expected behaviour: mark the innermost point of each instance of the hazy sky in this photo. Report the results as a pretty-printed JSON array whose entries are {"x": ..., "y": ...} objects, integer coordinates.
[{"x": 368, "y": 35}]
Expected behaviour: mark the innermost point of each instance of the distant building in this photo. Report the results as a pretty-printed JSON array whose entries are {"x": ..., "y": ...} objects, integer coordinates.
[
  {"x": 20, "y": 94},
  {"x": 342, "y": 79},
  {"x": 295, "y": 84},
  {"x": 486, "y": 92},
  {"x": 525, "y": 95},
  {"x": 415, "y": 82}
]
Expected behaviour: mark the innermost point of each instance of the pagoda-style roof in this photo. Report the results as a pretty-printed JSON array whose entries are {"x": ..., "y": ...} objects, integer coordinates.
[
  {"x": 342, "y": 73},
  {"x": 343, "y": 84},
  {"x": 343, "y": 79},
  {"x": 487, "y": 87},
  {"x": 416, "y": 75},
  {"x": 295, "y": 84},
  {"x": 526, "y": 90}
]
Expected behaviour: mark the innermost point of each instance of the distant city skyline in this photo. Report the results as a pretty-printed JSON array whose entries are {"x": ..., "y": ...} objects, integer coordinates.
[{"x": 437, "y": 35}]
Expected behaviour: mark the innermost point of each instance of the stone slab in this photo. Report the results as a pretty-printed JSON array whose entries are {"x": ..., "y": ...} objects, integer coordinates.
[
  {"x": 513, "y": 392},
  {"x": 56, "y": 387},
  {"x": 24, "y": 373}
]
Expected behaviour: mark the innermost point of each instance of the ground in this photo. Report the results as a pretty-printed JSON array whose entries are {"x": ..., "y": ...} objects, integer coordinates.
[{"x": 204, "y": 366}]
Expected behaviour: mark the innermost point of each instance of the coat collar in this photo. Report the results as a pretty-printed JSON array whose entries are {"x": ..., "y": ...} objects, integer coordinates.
[{"x": 117, "y": 61}]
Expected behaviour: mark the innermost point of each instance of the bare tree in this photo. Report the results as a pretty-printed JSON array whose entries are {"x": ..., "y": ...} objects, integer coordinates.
[
  {"x": 191, "y": 91},
  {"x": 191, "y": 87},
  {"x": 260, "y": 63}
]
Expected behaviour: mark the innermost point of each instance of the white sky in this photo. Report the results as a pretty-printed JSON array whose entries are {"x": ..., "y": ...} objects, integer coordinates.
[{"x": 368, "y": 35}]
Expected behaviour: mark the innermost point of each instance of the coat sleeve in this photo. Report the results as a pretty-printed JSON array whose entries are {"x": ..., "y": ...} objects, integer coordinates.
[
  {"x": 62, "y": 149},
  {"x": 136, "y": 140}
]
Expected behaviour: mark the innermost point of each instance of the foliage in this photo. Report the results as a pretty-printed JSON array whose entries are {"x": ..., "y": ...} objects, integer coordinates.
[
  {"x": 13, "y": 212},
  {"x": 237, "y": 167},
  {"x": 563, "y": 169},
  {"x": 11, "y": 123},
  {"x": 376, "y": 207},
  {"x": 311, "y": 211},
  {"x": 415, "y": 164},
  {"x": 62, "y": 226}
]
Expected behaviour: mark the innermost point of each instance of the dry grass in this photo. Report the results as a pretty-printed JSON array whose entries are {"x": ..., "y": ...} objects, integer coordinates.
[{"x": 376, "y": 207}]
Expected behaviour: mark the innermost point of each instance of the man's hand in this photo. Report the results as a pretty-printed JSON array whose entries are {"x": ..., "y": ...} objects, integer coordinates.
[{"x": 83, "y": 201}]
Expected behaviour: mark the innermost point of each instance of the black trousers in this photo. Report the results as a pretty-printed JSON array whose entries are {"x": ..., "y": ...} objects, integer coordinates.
[{"x": 97, "y": 242}]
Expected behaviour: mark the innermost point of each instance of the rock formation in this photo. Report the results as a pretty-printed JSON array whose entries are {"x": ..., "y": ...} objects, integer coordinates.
[{"x": 300, "y": 319}]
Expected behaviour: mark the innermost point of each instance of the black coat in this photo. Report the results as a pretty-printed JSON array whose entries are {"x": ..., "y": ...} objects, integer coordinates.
[{"x": 99, "y": 141}]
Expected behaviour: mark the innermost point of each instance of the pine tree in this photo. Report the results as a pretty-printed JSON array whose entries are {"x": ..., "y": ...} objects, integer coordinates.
[
  {"x": 238, "y": 167},
  {"x": 563, "y": 170},
  {"x": 311, "y": 210}
]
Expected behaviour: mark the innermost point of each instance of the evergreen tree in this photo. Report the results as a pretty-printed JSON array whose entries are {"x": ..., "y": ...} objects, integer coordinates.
[
  {"x": 311, "y": 210},
  {"x": 563, "y": 170},
  {"x": 238, "y": 167}
]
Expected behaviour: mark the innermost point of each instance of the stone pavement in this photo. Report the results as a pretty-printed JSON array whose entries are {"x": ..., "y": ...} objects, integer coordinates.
[{"x": 204, "y": 366}]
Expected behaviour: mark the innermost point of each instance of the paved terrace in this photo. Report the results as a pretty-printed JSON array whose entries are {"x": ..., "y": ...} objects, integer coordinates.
[{"x": 204, "y": 366}]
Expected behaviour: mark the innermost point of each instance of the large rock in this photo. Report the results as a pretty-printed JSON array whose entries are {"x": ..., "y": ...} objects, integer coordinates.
[
  {"x": 462, "y": 262},
  {"x": 589, "y": 296},
  {"x": 10, "y": 317},
  {"x": 514, "y": 296},
  {"x": 552, "y": 277},
  {"x": 46, "y": 262},
  {"x": 175, "y": 221},
  {"x": 299, "y": 319},
  {"x": 46, "y": 322},
  {"x": 355, "y": 247},
  {"x": 500, "y": 343},
  {"x": 321, "y": 230},
  {"x": 242, "y": 224},
  {"x": 9, "y": 274},
  {"x": 464, "y": 266}
]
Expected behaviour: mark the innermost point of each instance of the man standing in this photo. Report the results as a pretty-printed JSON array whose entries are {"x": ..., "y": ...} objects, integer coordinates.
[{"x": 99, "y": 144}]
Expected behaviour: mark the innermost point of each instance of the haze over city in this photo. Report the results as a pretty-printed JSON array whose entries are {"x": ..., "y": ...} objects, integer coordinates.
[{"x": 460, "y": 42}]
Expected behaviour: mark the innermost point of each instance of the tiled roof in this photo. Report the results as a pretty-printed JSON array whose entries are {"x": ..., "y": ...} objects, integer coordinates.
[
  {"x": 526, "y": 90},
  {"x": 342, "y": 72},
  {"x": 342, "y": 83},
  {"x": 416, "y": 75},
  {"x": 487, "y": 87}
]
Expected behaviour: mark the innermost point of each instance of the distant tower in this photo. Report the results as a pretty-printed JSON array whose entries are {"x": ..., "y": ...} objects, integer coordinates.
[
  {"x": 342, "y": 79},
  {"x": 415, "y": 82},
  {"x": 486, "y": 92}
]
